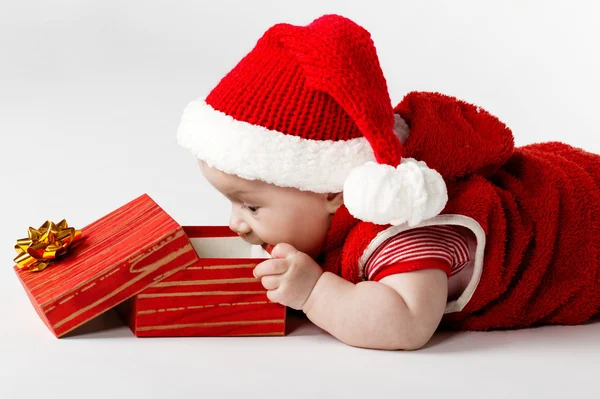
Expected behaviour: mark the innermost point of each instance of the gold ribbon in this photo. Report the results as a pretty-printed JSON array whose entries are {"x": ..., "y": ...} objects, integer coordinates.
[{"x": 44, "y": 245}]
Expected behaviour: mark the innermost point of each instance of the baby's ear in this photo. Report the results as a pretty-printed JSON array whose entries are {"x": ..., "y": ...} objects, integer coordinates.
[{"x": 334, "y": 201}]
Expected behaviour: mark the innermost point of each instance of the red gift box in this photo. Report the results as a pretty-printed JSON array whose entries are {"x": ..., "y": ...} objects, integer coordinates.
[
  {"x": 215, "y": 296},
  {"x": 119, "y": 255},
  {"x": 138, "y": 252}
]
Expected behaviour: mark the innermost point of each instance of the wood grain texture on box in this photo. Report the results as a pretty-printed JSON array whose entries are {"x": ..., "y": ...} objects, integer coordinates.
[
  {"x": 119, "y": 255},
  {"x": 215, "y": 296}
]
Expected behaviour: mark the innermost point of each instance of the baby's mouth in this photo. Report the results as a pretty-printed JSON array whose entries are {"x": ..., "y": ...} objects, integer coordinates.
[{"x": 267, "y": 247}]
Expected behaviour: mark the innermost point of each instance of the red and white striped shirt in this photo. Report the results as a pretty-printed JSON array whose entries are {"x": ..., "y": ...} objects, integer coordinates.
[{"x": 438, "y": 246}]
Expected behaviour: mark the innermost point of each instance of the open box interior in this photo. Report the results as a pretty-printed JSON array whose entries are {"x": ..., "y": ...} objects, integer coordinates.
[{"x": 227, "y": 247}]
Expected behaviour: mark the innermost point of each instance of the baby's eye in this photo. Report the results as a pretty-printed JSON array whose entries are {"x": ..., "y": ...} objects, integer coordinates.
[{"x": 252, "y": 209}]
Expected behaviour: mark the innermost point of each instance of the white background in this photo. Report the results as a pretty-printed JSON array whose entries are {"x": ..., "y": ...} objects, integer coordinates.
[{"x": 91, "y": 93}]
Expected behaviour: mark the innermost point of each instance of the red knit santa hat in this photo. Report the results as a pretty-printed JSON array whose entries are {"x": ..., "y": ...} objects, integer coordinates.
[{"x": 308, "y": 107}]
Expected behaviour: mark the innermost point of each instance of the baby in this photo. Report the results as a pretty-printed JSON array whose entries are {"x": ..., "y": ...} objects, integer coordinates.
[
  {"x": 375, "y": 247},
  {"x": 279, "y": 136},
  {"x": 400, "y": 311}
]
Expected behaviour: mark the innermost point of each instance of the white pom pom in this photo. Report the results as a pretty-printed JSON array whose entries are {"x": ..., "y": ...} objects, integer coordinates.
[{"x": 382, "y": 194}]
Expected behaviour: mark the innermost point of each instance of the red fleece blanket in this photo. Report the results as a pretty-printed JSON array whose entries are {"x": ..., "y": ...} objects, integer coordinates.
[{"x": 539, "y": 206}]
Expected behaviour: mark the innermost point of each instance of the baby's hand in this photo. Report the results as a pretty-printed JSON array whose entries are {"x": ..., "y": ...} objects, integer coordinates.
[{"x": 289, "y": 277}]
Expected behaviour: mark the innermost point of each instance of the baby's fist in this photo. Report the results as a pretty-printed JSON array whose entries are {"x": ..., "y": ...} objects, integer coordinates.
[{"x": 289, "y": 277}]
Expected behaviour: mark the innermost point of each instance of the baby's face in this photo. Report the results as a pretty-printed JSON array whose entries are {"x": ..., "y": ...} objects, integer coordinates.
[{"x": 265, "y": 214}]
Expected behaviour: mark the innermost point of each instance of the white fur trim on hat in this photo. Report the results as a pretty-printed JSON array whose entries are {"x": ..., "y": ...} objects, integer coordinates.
[
  {"x": 257, "y": 153},
  {"x": 383, "y": 194}
]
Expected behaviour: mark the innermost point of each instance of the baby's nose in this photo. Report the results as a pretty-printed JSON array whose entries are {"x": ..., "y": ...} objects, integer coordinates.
[{"x": 238, "y": 225}]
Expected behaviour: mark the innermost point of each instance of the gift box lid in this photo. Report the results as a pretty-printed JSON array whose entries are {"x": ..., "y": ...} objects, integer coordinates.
[{"x": 118, "y": 256}]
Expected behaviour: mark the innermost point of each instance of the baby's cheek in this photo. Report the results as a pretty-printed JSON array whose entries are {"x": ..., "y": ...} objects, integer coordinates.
[
  {"x": 303, "y": 228},
  {"x": 311, "y": 238}
]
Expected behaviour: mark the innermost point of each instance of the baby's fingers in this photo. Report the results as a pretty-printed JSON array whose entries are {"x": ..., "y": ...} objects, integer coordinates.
[
  {"x": 271, "y": 282},
  {"x": 271, "y": 266}
]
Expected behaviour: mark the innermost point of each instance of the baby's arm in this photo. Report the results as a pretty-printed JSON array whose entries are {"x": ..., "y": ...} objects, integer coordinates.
[{"x": 400, "y": 311}]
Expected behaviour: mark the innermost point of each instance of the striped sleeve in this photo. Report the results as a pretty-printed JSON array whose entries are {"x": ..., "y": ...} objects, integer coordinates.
[{"x": 440, "y": 246}]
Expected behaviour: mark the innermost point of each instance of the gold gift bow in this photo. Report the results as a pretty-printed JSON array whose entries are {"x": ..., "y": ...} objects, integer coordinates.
[{"x": 44, "y": 245}]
